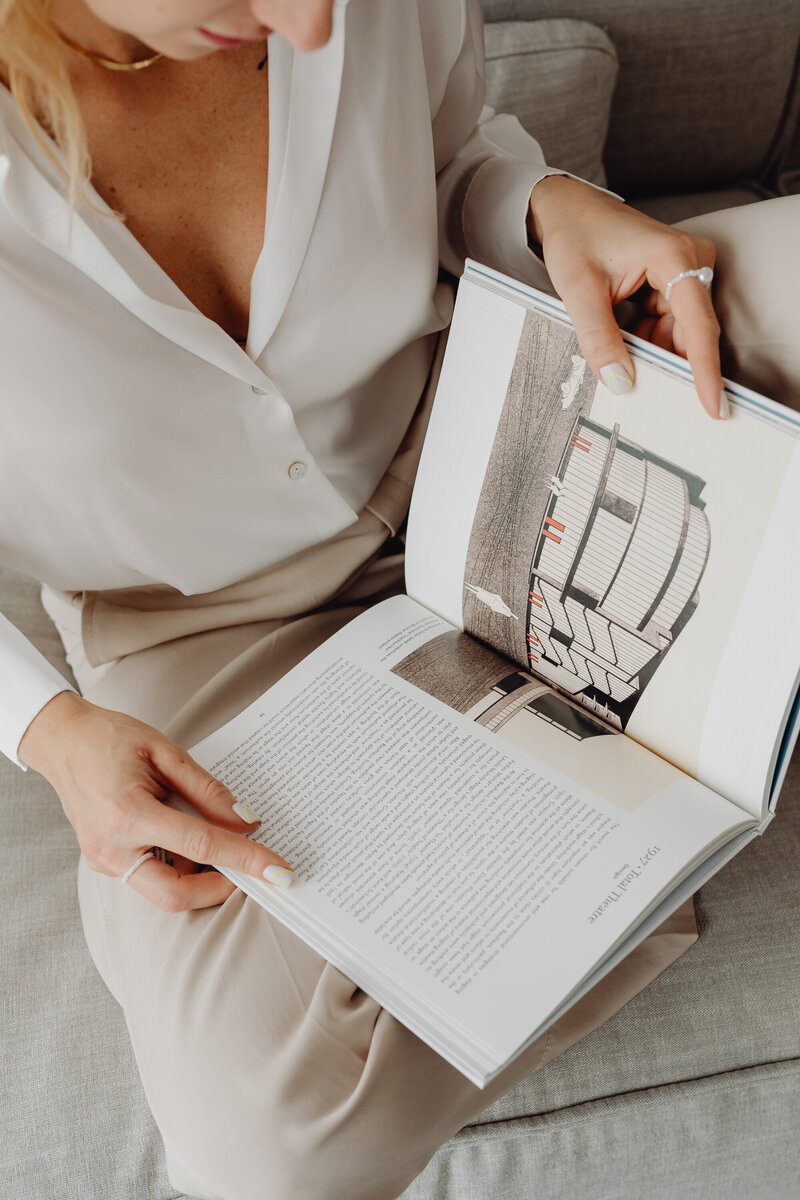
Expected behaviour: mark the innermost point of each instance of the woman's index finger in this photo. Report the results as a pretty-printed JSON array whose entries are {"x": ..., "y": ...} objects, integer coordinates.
[
  {"x": 699, "y": 330},
  {"x": 202, "y": 841}
]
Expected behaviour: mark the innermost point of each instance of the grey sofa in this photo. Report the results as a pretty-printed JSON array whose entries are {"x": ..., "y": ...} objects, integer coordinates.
[{"x": 693, "y": 1089}]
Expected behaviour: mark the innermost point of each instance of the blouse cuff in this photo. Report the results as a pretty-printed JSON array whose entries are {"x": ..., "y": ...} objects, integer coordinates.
[{"x": 29, "y": 683}]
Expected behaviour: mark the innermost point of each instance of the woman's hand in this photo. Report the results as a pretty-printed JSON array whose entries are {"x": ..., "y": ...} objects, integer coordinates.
[
  {"x": 599, "y": 252},
  {"x": 112, "y": 773}
]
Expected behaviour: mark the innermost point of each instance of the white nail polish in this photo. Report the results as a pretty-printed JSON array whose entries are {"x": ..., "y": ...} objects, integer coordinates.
[
  {"x": 279, "y": 876},
  {"x": 243, "y": 812},
  {"x": 724, "y": 406},
  {"x": 616, "y": 379}
]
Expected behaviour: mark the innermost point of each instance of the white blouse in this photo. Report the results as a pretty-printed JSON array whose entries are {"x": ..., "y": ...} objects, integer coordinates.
[{"x": 140, "y": 443}]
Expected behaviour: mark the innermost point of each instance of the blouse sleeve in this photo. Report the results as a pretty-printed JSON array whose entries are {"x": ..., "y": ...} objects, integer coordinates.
[
  {"x": 29, "y": 682},
  {"x": 487, "y": 166}
]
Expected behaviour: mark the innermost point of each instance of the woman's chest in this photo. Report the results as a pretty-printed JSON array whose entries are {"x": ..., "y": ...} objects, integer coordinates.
[{"x": 188, "y": 170}]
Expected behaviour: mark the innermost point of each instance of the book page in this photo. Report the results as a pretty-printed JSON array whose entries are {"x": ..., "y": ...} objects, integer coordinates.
[
  {"x": 628, "y": 550},
  {"x": 437, "y": 862}
]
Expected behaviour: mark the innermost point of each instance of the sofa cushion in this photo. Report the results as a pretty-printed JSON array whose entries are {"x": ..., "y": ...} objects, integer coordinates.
[
  {"x": 704, "y": 89},
  {"x": 73, "y": 1118},
  {"x": 727, "y": 1137},
  {"x": 788, "y": 173},
  {"x": 558, "y": 77}
]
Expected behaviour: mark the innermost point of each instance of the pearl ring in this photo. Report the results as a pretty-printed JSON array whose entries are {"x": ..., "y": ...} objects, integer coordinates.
[{"x": 704, "y": 274}]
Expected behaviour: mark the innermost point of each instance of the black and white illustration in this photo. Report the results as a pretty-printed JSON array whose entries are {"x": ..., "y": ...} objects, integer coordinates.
[
  {"x": 587, "y": 550},
  {"x": 474, "y": 680}
]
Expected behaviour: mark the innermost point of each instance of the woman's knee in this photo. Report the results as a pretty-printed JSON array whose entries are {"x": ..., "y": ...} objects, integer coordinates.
[
  {"x": 302, "y": 1139},
  {"x": 350, "y": 1104}
]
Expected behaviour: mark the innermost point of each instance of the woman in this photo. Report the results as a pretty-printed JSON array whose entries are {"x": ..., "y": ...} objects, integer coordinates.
[{"x": 219, "y": 422}]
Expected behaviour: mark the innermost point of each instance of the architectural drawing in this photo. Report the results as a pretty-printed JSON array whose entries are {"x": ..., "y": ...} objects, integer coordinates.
[
  {"x": 521, "y": 478},
  {"x": 616, "y": 569},
  {"x": 474, "y": 680},
  {"x": 598, "y": 541}
]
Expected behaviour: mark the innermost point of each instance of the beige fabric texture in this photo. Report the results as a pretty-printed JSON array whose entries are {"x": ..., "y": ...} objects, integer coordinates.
[{"x": 755, "y": 293}]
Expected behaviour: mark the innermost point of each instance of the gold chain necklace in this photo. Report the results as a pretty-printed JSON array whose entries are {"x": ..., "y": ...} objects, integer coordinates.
[{"x": 109, "y": 63}]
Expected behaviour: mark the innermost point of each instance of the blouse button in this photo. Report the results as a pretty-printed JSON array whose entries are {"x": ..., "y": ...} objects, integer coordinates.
[
  {"x": 257, "y": 391},
  {"x": 297, "y": 470}
]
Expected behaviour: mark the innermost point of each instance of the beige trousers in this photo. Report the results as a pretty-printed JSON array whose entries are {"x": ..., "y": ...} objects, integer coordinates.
[{"x": 270, "y": 1075}]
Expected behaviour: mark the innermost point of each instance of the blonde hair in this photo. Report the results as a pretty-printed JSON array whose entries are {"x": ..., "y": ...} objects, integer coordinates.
[{"x": 40, "y": 85}]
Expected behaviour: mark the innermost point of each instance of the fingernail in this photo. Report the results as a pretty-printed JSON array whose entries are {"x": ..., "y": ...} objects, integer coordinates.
[
  {"x": 724, "y": 406},
  {"x": 616, "y": 379},
  {"x": 243, "y": 812},
  {"x": 281, "y": 876}
]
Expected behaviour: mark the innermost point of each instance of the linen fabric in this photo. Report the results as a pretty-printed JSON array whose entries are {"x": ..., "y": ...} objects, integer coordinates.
[
  {"x": 575, "y": 67},
  {"x": 143, "y": 445},
  {"x": 758, "y": 266},
  {"x": 724, "y": 1137},
  {"x": 704, "y": 99}
]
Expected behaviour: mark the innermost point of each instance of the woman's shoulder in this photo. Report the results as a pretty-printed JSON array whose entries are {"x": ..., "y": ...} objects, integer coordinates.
[
  {"x": 438, "y": 28},
  {"x": 443, "y": 23}
]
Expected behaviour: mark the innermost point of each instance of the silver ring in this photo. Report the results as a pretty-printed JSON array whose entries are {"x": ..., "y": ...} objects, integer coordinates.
[
  {"x": 142, "y": 858},
  {"x": 704, "y": 274}
]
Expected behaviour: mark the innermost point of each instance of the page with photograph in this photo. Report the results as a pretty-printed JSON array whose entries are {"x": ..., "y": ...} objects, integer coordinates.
[
  {"x": 439, "y": 864},
  {"x": 628, "y": 550}
]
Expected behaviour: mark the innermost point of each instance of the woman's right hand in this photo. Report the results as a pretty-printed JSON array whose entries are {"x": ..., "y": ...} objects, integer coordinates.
[{"x": 112, "y": 774}]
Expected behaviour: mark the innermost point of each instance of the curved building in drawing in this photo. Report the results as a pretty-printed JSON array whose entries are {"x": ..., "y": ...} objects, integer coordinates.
[{"x": 616, "y": 568}]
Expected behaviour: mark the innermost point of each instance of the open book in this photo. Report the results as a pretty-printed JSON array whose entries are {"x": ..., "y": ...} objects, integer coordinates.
[{"x": 492, "y": 788}]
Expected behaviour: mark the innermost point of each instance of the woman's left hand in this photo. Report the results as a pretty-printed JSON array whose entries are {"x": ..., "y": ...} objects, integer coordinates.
[{"x": 599, "y": 252}]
